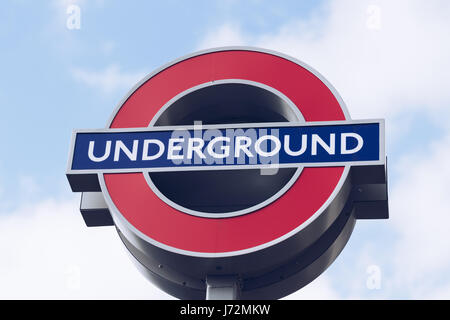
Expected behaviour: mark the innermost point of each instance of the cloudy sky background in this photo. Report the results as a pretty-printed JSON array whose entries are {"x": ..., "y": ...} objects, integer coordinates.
[{"x": 387, "y": 59}]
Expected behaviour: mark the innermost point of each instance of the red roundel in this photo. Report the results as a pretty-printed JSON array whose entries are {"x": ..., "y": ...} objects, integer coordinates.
[{"x": 137, "y": 205}]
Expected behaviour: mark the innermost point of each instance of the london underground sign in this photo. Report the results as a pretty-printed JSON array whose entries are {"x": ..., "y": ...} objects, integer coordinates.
[
  {"x": 166, "y": 149},
  {"x": 232, "y": 163}
]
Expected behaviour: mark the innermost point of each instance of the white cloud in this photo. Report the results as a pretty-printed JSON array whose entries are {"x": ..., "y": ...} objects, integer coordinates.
[
  {"x": 228, "y": 34},
  {"x": 63, "y": 4},
  {"x": 320, "y": 289},
  {"x": 55, "y": 256},
  {"x": 107, "y": 80},
  {"x": 421, "y": 216},
  {"x": 48, "y": 253},
  {"x": 393, "y": 65},
  {"x": 400, "y": 66},
  {"x": 416, "y": 264}
]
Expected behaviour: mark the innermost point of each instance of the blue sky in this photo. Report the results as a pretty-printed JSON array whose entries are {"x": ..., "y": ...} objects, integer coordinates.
[
  {"x": 387, "y": 60},
  {"x": 42, "y": 99}
]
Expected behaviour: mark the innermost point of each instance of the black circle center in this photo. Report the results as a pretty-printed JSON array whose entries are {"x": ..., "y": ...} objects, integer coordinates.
[{"x": 224, "y": 191}]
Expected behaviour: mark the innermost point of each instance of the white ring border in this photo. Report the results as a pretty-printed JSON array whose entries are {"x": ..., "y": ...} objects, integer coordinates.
[
  {"x": 299, "y": 119},
  {"x": 119, "y": 220}
]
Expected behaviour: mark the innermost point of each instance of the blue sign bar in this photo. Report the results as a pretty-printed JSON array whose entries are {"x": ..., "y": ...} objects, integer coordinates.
[{"x": 238, "y": 146}]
